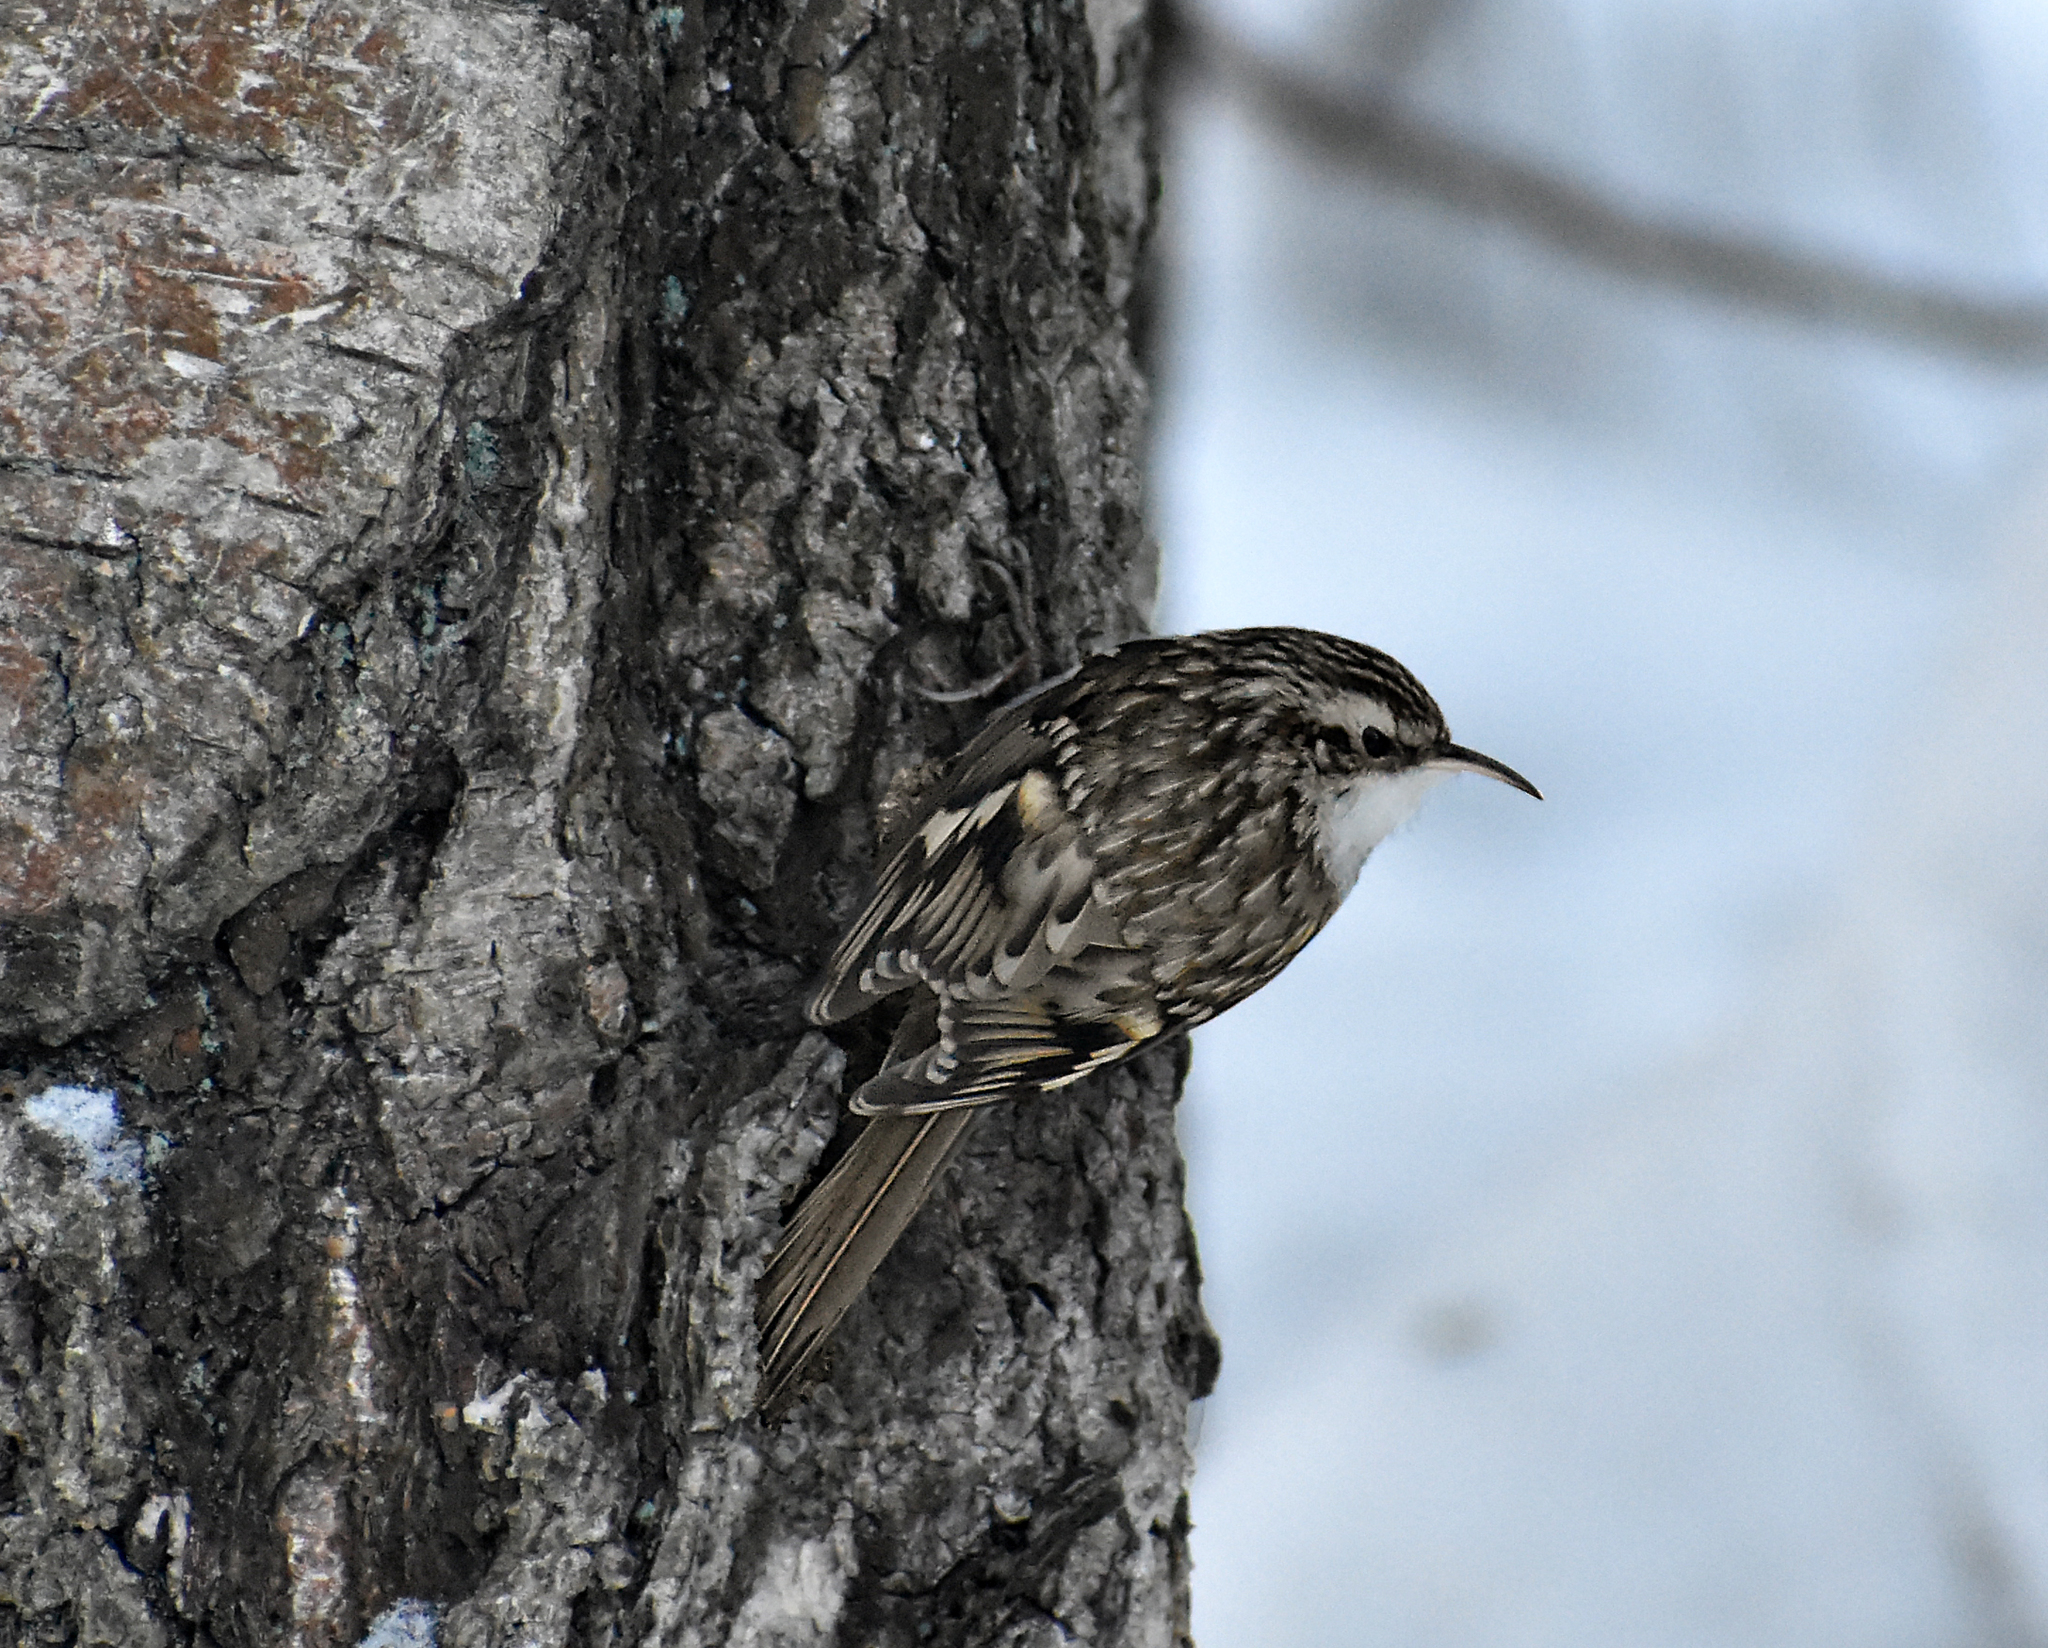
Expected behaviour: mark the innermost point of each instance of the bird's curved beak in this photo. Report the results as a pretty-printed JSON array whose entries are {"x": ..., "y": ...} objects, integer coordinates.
[{"x": 1459, "y": 759}]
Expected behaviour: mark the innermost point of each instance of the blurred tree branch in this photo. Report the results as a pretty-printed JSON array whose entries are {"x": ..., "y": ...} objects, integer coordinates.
[{"x": 1369, "y": 132}]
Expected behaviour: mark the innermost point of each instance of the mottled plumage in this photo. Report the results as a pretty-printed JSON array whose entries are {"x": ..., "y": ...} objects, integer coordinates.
[{"x": 1116, "y": 857}]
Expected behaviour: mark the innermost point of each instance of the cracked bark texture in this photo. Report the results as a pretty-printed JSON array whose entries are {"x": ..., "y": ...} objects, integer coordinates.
[{"x": 488, "y": 492}]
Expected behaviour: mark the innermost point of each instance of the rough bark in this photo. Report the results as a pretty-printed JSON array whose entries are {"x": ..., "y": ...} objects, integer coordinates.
[{"x": 487, "y": 492}]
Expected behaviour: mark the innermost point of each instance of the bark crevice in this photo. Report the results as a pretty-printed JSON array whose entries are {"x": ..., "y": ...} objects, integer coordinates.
[{"x": 510, "y": 527}]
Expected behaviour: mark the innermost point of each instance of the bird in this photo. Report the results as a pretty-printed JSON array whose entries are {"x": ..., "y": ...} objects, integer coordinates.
[{"x": 1119, "y": 855}]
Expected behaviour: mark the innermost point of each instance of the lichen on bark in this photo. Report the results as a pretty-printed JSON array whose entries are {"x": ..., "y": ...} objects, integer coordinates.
[{"x": 490, "y": 495}]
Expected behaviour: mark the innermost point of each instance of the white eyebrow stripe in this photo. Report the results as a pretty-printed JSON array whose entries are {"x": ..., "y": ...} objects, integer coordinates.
[{"x": 1355, "y": 709}]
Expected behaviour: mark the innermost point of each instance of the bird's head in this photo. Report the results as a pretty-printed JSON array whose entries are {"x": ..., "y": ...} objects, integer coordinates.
[{"x": 1371, "y": 742}]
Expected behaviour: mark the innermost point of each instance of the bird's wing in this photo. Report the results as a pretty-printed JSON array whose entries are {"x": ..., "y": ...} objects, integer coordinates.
[
  {"x": 980, "y": 902},
  {"x": 994, "y": 885},
  {"x": 1086, "y": 1012}
]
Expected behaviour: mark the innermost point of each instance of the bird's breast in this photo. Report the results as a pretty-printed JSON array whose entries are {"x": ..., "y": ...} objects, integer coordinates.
[{"x": 1352, "y": 821}]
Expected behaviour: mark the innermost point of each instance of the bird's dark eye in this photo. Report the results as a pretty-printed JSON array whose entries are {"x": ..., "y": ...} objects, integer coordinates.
[{"x": 1376, "y": 744}]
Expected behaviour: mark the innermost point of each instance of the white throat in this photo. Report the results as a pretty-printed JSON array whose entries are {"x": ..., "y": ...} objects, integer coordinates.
[{"x": 1356, "y": 819}]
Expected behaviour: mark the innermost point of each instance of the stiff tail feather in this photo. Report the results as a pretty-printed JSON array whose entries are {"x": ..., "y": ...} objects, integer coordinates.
[{"x": 844, "y": 1229}]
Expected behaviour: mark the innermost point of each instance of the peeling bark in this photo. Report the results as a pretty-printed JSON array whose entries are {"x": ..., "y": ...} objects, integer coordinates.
[{"x": 489, "y": 495}]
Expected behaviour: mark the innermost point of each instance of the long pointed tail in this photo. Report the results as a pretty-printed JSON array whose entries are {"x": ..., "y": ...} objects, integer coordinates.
[{"x": 844, "y": 1229}]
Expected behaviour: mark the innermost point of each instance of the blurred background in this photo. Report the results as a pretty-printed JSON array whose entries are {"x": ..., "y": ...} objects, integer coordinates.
[{"x": 1628, "y": 1224}]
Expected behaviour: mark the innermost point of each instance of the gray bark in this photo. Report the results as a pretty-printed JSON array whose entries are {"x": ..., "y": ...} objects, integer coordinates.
[{"x": 486, "y": 493}]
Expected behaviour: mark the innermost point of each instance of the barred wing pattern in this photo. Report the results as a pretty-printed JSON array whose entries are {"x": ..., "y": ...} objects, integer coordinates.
[
  {"x": 990, "y": 905},
  {"x": 1041, "y": 950}
]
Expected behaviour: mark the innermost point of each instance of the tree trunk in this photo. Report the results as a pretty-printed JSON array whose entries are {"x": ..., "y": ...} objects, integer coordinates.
[{"x": 488, "y": 495}]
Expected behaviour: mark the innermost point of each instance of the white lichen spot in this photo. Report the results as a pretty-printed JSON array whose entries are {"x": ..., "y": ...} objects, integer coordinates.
[
  {"x": 53, "y": 88},
  {"x": 315, "y": 1560},
  {"x": 801, "y": 1590},
  {"x": 410, "y": 1623},
  {"x": 295, "y": 318},
  {"x": 175, "y": 1509},
  {"x": 487, "y": 1413},
  {"x": 196, "y": 367},
  {"x": 349, "y": 1328},
  {"x": 89, "y": 1119}
]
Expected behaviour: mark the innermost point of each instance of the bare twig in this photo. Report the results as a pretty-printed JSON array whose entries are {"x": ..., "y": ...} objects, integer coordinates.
[
  {"x": 1373, "y": 134},
  {"x": 1020, "y": 618},
  {"x": 980, "y": 689}
]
